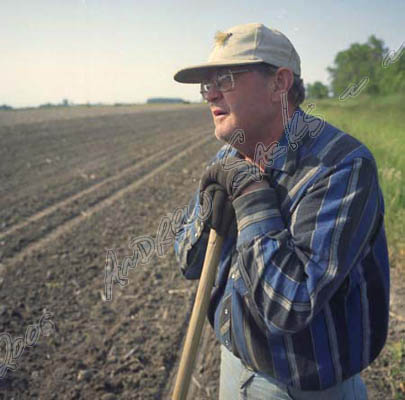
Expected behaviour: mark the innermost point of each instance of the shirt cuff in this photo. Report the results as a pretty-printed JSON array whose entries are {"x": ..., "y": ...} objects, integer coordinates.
[{"x": 257, "y": 213}]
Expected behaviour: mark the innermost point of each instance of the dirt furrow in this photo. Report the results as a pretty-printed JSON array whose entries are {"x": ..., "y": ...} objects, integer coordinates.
[
  {"x": 17, "y": 237},
  {"x": 45, "y": 163},
  {"x": 31, "y": 116},
  {"x": 123, "y": 349},
  {"x": 64, "y": 227}
]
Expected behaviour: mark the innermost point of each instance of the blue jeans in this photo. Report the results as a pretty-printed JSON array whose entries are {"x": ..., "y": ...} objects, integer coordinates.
[{"x": 238, "y": 382}]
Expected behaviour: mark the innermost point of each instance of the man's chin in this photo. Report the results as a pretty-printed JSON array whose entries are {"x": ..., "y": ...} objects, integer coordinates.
[
  {"x": 223, "y": 135},
  {"x": 234, "y": 137}
]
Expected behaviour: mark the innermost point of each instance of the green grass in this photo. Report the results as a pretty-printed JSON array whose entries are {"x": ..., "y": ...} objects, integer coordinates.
[
  {"x": 379, "y": 123},
  {"x": 397, "y": 353}
]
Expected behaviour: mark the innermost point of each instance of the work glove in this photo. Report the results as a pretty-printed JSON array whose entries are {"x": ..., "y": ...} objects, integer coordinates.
[{"x": 221, "y": 183}]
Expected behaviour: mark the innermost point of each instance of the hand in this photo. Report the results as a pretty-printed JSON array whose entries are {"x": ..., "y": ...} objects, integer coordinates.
[
  {"x": 222, "y": 183},
  {"x": 222, "y": 214}
]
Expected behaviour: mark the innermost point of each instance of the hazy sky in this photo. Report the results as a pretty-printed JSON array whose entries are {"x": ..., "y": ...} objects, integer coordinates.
[{"x": 128, "y": 50}]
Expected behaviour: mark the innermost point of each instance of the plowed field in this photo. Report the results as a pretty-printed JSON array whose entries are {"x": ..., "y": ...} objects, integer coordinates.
[
  {"x": 75, "y": 184},
  {"x": 72, "y": 188}
]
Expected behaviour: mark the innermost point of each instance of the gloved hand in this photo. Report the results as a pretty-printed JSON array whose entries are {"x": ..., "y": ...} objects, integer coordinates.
[{"x": 223, "y": 182}]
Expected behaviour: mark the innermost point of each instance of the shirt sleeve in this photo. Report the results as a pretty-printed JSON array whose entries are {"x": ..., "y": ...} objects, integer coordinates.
[
  {"x": 191, "y": 237},
  {"x": 191, "y": 241},
  {"x": 292, "y": 268}
]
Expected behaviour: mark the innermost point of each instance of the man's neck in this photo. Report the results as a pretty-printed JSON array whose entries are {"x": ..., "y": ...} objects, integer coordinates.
[{"x": 272, "y": 135}]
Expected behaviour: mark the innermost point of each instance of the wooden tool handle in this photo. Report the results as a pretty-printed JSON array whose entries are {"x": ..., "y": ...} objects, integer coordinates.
[{"x": 211, "y": 261}]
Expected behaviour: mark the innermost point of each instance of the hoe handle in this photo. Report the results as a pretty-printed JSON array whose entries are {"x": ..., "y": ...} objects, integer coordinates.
[{"x": 200, "y": 308}]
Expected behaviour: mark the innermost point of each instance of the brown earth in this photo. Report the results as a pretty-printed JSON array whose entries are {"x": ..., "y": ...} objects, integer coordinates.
[{"x": 73, "y": 185}]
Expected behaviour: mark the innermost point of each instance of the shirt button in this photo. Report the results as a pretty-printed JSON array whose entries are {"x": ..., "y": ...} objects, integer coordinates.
[
  {"x": 233, "y": 276},
  {"x": 226, "y": 343},
  {"x": 226, "y": 311}
]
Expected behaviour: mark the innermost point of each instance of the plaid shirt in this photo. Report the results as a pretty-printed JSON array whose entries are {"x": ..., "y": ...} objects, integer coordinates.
[{"x": 302, "y": 293}]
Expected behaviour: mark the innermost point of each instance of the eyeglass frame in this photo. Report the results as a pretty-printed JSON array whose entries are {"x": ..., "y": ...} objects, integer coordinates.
[{"x": 215, "y": 81}]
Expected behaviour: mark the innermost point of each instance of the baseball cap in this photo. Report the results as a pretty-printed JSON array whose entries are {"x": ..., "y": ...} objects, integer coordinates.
[{"x": 242, "y": 45}]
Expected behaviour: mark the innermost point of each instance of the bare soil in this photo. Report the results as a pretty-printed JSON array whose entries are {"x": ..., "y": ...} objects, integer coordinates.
[{"x": 74, "y": 184}]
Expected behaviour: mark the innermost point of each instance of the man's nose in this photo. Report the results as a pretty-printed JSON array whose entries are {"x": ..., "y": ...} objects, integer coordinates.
[{"x": 213, "y": 94}]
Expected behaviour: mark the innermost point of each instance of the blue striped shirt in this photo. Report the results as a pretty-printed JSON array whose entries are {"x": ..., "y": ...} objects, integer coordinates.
[{"x": 302, "y": 293}]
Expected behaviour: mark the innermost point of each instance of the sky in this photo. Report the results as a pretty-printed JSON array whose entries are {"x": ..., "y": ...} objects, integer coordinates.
[{"x": 126, "y": 51}]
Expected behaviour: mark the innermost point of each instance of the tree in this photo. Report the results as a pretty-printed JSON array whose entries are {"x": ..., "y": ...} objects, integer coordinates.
[
  {"x": 393, "y": 72},
  {"x": 360, "y": 61},
  {"x": 317, "y": 90}
]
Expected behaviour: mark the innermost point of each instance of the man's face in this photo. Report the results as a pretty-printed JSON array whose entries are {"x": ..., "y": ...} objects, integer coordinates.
[{"x": 248, "y": 106}]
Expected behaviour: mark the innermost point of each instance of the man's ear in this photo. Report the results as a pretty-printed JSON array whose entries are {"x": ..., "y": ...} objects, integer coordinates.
[{"x": 281, "y": 83}]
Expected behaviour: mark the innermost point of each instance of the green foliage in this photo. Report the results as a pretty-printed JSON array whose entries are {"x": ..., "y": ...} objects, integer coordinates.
[
  {"x": 393, "y": 74},
  {"x": 382, "y": 70},
  {"x": 317, "y": 90}
]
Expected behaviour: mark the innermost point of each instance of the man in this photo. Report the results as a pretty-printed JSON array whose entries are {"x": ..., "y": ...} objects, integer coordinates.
[{"x": 300, "y": 304}]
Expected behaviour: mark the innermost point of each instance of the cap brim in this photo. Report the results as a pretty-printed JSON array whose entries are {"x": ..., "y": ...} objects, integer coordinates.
[{"x": 197, "y": 73}]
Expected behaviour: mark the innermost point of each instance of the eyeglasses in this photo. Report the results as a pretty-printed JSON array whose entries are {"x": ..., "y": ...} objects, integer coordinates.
[{"x": 224, "y": 82}]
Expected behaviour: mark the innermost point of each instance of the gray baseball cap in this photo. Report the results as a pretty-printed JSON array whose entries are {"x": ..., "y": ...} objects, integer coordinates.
[{"x": 245, "y": 44}]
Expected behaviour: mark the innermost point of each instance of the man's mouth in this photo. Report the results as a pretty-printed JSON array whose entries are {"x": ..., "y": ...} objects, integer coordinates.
[{"x": 218, "y": 112}]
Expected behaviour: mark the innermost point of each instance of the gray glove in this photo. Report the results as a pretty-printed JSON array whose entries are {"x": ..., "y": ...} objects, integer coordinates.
[{"x": 222, "y": 183}]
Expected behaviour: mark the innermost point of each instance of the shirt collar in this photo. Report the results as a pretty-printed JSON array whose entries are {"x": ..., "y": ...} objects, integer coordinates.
[{"x": 282, "y": 154}]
